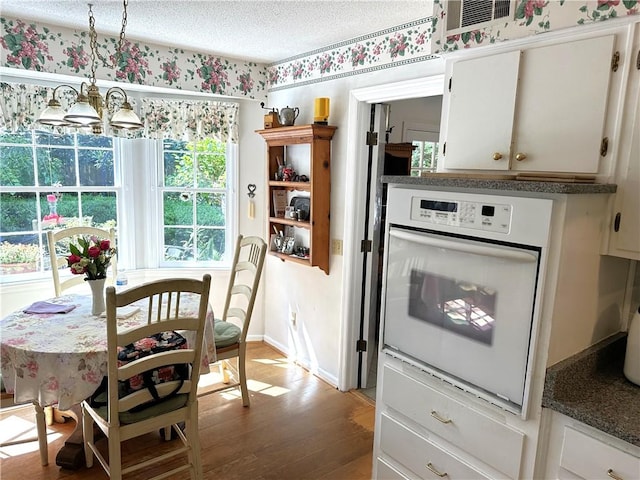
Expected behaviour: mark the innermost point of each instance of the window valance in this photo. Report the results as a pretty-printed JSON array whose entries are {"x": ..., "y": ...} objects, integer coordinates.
[
  {"x": 189, "y": 119},
  {"x": 21, "y": 105}
]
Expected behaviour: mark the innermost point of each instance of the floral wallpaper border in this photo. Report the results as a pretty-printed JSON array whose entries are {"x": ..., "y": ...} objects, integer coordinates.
[
  {"x": 392, "y": 47},
  {"x": 531, "y": 17},
  {"x": 41, "y": 48}
]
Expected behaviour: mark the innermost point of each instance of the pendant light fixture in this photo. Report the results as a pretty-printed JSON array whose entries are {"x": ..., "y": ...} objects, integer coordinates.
[{"x": 88, "y": 108}]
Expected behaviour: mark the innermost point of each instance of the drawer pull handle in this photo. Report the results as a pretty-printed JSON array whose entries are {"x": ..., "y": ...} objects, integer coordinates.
[
  {"x": 613, "y": 475},
  {"x": 431, "y": 467},
  {"x": 435, "y": 415}
]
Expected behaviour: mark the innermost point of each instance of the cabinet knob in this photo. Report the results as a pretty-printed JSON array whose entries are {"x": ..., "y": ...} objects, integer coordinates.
[
  {"x": 497, "y": 156},
  {"x": 521, "y": 156}
]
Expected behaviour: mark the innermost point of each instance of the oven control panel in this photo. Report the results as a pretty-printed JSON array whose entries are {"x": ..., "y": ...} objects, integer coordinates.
[{"x": 476, "y": 215}]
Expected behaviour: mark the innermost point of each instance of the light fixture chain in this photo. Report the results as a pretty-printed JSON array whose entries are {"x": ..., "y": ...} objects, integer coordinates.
[
  {"x": 121, "y": 40},
  {"x": 93, "y": 44}
]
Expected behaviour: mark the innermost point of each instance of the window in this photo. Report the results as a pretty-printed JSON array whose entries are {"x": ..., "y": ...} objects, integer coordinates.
[
  {"x": 194, "y": 200},
  {"x": 170, "y": 190},
  {"x": 46, "y": 181},
  {"x": 424, "y": 157}
]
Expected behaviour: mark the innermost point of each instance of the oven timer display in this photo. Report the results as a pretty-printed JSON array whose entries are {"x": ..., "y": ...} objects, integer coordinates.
[{"x": 476, "y": 215}]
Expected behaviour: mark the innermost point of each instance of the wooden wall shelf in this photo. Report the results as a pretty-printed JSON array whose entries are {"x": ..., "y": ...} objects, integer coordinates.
[{"x": 318, "y": 137}]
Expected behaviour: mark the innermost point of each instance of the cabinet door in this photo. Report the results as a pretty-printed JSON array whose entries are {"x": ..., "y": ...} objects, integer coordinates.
[
  {"x": 481, "y": 110},
  {"x": 561, "y": 106},
  {"x": 625, "y": 231}
]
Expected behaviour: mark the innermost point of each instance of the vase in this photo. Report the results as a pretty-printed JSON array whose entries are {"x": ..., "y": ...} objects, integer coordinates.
[{"x": 97, "y": 294}]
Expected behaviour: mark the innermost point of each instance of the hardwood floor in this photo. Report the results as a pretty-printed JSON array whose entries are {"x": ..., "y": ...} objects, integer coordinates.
[{"x": 298, "y": 427}]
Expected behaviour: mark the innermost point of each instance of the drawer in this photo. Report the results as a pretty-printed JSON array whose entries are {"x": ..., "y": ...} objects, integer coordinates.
[
  {"x": 421, "y": 456},
  {"x": 588, "y": 457},
  {"x": 384, "y": 471},
  {"x": 492, "y": 442}
]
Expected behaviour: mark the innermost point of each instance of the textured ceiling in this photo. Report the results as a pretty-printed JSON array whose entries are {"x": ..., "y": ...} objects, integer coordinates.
[{"x": 263, "y": 31}]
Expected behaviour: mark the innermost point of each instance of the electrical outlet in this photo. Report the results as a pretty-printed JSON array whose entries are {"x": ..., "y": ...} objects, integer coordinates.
[{"x": 336, "y": 246}]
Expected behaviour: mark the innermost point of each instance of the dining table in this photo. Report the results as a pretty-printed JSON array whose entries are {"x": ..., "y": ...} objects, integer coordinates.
[{"x": 59, "y": 358}]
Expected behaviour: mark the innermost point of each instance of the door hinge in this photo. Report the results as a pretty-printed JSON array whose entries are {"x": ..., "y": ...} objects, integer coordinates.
[
  {"x": 616, "y": 222},
  {"x": 365, "y": 245},
  {"x": 444, "y": 148},
  {"x": 638, "y": 61},
  {"x": 361, "y": 346},
  {"x": 450, "y": 82},
  {"x": 372, "y": 138},
  {"x": 604, "y": 147},
  {"x": 615, "y": 61}
]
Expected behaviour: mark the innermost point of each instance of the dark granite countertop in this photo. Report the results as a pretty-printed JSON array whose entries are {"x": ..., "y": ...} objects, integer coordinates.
[
  {"x": 591, "y": 387},
  {"x": 448, "y": 181}
]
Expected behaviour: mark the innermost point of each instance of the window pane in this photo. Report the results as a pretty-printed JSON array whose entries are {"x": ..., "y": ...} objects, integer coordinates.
[
  {"x": 56, "y": 165},
  {"x": 19, "y": 254},
  {"x": 20, "y": 137},
  {"x": 95, "y": 141},
  {"x": 212, "y": 164},
  {"x": 16, "y": 166},
  {"x": 178, "y": 169},
  {"x": 19, "y": 210},
  {"x": 177, "y": 244},
  {"x": 210, "y": 209},
  {"x": 102, "y": 207},
  {"x": 96, "y": 167},
  {"x": 178, "y": 208},
  {"x": 47, "y": 138},
  {"x": 211, "y": 244}
]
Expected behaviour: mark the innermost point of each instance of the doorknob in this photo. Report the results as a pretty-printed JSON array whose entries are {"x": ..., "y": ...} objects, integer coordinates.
[
  {"x": 497, "y": 156},
  {"x": 521, "y": 156}
]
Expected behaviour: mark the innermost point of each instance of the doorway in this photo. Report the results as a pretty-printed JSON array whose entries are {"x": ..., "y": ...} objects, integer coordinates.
[{"x": 359, "y": 367}]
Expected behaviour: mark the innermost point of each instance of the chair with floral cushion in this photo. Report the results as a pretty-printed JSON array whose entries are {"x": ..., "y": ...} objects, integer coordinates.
[
  {"x": 231, "y": 329},
  {"x": 59, "y": 250}
]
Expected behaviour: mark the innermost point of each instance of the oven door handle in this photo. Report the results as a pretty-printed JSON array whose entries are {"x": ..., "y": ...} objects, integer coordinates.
[{"x": 475, "y": 249}]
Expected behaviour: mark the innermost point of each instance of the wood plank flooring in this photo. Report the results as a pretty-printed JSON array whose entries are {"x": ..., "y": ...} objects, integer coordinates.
[{"x": 298, "y": 427}]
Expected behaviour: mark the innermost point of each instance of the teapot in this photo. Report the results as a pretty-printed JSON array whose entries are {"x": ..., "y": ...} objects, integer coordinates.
[{"x": 287, "y": 116}]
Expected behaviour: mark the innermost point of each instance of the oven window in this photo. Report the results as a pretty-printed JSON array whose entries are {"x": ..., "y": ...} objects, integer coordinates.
[{"x": 463, "y": 308}]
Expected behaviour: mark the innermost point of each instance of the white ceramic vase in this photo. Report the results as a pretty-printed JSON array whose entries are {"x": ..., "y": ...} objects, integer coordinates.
[{"x": 97, "y": 292}]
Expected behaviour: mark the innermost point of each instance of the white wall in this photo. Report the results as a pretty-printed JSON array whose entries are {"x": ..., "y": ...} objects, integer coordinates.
[
  {"x": 424, "y": 111},
  {"x": 315, "y": 297}
]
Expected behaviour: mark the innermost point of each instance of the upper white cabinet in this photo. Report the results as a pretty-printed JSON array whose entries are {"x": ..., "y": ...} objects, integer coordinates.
[
  {"x": 540, "y": 109},
  {"x": 624, "y": 240}
]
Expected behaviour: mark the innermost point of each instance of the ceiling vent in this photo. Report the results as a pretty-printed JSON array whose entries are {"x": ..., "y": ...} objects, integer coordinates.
[{"x": 467, "y": 13}]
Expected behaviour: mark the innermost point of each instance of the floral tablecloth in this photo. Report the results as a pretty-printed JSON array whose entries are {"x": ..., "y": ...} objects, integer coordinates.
[{"x": 62, "y": 358}]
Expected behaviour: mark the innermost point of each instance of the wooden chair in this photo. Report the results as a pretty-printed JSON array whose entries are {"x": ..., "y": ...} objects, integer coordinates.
[
  {"x": 69, "y": 235},
  {"x": 230, "y": 337},
  {"x": 116, "y": 419},
  {"x": 7, "y": 401}
]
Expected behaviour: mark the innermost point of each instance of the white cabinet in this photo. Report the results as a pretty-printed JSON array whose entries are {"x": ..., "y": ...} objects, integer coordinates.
[
  {"x": 625, "y": 222},
  {"x": 424, "y": 433},
  {"x": 575, "y": 451},
  {"x": 539, "y": 109}
]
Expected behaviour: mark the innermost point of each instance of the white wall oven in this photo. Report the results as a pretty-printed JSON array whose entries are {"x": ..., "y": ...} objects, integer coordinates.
[{"x": 461, "y": 296}]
